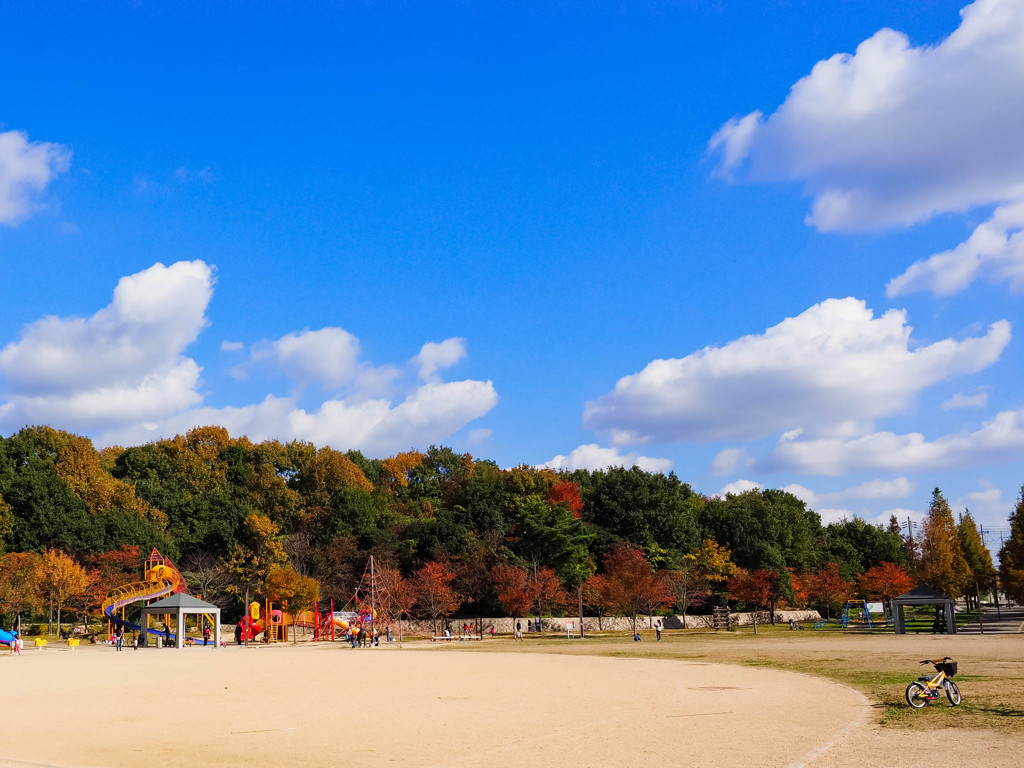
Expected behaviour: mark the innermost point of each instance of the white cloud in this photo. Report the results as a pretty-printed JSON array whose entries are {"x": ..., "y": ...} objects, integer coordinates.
[
  {"x": 999, "y": 440},
  {"x": 985, "y": 503},
  {"x": 977, "y": 400},
  {"x": 121, "y": 376},
  {"x": 739, "y": 486},
  {"x": 898, "y": 488},
  {"x": 231, "y": 346},
  {"x": 329, "y": 356},
  {"x": 124, "y": 362},
  {"x": 894, "y": 133},
  {"x": 832, "y": 369},
  {"x": 729, "y": 460},
  {"x": 435, "y": 356},
  {"x": 594, "y": 457},
  {"x": 429, "y": 414},
  {"x": 26, "y": 168},
  {"x": 995, "y": 250}
]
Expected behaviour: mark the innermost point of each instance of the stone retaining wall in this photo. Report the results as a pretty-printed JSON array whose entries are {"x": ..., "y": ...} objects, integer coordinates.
[{"x": 506, "y": 626}]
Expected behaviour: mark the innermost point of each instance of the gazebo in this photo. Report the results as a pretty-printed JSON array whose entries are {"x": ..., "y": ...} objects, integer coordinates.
[
  {"x": 922, "y": 596},
  {"x": 180, "y": 605}
]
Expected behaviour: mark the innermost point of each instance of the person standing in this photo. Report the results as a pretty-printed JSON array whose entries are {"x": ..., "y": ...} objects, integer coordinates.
[
  {"x": 657, "y": 629},
  {"x": 206, "y": 635},
  {"x": 519, "y": 630},
  {"x": 119, "y": 638}
]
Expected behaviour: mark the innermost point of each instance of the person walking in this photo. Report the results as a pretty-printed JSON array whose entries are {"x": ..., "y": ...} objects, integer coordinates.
[{"x": 206, "y": 635}]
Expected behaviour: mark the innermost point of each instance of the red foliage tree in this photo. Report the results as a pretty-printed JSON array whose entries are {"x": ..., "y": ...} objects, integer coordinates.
[
  {"x": 435, "y": 596},
  {"x": 754, "y": 588},
  {"x": 630, "y": 586},
  {"x": 885, "y": 581},
  {"x": 827, "y": 587},
  {"x": 512, "y": 585},
  {"x": 568, "y": 493},
  {"x": 547, "y": 593},
  {"x": 396, "y": 596}
]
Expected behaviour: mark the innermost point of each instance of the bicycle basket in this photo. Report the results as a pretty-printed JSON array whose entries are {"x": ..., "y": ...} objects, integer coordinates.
[{"x": 948, "y": 667}]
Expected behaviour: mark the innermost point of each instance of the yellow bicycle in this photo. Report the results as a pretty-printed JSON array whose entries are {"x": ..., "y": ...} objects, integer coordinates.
[{"x": 926, "y": 689}]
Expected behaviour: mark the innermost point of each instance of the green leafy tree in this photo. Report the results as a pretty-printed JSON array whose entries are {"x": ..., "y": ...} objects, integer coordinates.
[{"x": 1011, "y": 554}]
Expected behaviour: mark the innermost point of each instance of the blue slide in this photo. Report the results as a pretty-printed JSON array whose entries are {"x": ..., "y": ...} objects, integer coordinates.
[{"x": 7, "y": 637}]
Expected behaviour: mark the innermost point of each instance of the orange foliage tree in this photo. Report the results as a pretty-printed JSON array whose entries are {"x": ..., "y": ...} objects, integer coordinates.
[
  {"x": 885, "y": 581},
  {"x": 630, "y": 585},
  {"x": 512, "y": 585},
  {"x": 827, "y": 588},
  {"x": 567, "y": 492},
  {"x": 435, "y": 596}
]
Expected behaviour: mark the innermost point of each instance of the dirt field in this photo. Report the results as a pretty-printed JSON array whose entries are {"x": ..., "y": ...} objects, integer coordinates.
[{"x": 495, "y": 702}]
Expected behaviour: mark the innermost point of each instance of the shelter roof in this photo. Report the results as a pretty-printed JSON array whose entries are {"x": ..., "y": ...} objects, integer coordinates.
[
  {"x": 922, "y": 593},
  {"x": 181, "y": 601}
]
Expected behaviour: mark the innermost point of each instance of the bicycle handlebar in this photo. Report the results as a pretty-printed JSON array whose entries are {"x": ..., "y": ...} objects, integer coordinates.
[{"x": 936, "y": 661}]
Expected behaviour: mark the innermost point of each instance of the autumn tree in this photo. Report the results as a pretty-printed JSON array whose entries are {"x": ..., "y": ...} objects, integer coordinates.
[
  {"x": 885, "y": 581},
  {"x": 631, "y": 585},
  {"x": 706, "y": 568},
  {"x": 827, "y": 588},
  {"x": 19, "y": 583},
  {"x": 568, "y": 493},
  {"x": 257, "y": 554},
  {"x": 976, "y": 555},
  {"x": 109, "y": 570},
  {"x": 396, "y": 595},
  {"x": 753, "y": 588},
  {"x": 1011, "y": 554},
  {"x": 546, "y": 592},
  {"x": 942, "y": 566},
  {"x": 435, "y": 596},
  {"x": 512, "y": 585},
  {"x": 292, "y": 591},
  {"x": 594, "y": 593},
  {"x": 60, "y": 578}
]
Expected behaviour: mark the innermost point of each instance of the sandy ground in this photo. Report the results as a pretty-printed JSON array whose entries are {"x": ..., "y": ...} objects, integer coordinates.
[
  {"x": 331, "y": 705},
  {"x": 431, "y": 705}
]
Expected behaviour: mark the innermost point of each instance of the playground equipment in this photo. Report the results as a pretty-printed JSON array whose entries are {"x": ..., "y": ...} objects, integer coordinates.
[
  {"x": 860, "y": 611},
  {"x": 161, "y": 580},
  {"x": 7, "y": 637}
]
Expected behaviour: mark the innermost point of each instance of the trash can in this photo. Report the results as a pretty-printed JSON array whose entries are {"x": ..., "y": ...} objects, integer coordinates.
[{"x": 159, "y": 641}]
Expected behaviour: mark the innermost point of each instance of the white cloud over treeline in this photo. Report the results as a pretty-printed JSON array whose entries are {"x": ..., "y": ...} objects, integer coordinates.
[
  {"x": 122, "y": 376},
  {"x": 833, "y": 369}
]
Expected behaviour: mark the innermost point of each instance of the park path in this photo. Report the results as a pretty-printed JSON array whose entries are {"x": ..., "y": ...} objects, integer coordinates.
[{"x": 1008, "y": 621}]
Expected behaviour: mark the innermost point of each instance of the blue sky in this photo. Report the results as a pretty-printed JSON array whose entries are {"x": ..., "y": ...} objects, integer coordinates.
[{"x": 767, "y": 243}]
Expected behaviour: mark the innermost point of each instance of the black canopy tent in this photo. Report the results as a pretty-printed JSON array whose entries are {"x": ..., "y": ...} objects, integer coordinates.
[
  {"x": 922, "y": 596},
  {"x": 180, "y": 605}
]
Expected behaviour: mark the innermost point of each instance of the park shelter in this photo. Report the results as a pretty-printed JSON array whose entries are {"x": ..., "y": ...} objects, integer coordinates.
[
  {"x": 180, "y": 606},
  {"x": 922, "y": 596}
]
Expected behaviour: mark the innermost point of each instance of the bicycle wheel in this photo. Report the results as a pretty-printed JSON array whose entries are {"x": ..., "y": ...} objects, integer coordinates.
[
  {"x": 953, "y": 693},
  {"x": 916, "y": 696}
]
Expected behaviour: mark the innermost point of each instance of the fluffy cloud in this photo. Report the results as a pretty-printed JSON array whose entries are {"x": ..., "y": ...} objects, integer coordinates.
[
  {"x": 26, "y": 168},
  {"x": 329, "y": 356},
  {"x": 429, "y": 414},
  {"x": 998, "y": 441},
  {"x": 124, "y": 362},
  {"x": 437, "y": 356},
  {"x": 894, "y": 133},
  {"x": 122, "y": 377},
  {"x": 832, "y": 369},
  {"x": 995, "y": 250},
  {"x": 729, "y": 460},
  {"x": 594, "y": 457}
]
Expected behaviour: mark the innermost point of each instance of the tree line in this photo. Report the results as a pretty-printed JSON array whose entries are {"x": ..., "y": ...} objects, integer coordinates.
[{"x": 451, "y": 534}]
